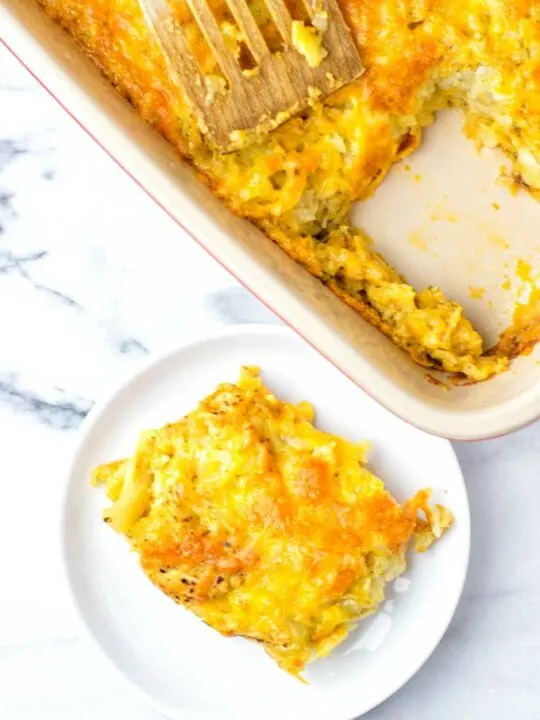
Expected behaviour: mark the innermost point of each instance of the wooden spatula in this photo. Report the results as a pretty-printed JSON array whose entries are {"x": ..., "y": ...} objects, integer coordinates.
[{"x": 251, "y": 102}]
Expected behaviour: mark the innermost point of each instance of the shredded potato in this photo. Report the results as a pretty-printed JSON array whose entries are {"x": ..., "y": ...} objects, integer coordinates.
[
  {"x": 263, "y": 525},
  {"x": 299, "y": 182}
]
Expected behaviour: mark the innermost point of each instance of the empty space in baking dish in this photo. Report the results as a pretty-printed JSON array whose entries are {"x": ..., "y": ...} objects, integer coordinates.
[
  {"x": 434, "y": 218},
  {"x": 445, "y": 216}
]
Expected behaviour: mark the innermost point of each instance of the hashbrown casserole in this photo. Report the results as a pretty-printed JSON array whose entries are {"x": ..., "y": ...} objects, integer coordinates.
[
  {"x": 261, "y": 524},
  {"x": 298, "y": 183}
]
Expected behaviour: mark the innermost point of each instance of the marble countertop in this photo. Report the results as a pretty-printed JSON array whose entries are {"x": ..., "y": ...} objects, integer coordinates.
[{"x": 83, "y": 296}]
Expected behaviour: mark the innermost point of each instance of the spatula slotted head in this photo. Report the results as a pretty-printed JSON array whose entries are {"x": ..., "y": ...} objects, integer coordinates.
[{"x": 247, "y": 103}]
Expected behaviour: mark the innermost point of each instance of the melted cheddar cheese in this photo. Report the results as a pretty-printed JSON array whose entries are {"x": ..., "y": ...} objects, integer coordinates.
[
  {"x": 299, "y": 182},
  {"x": 263, "y": 525}
]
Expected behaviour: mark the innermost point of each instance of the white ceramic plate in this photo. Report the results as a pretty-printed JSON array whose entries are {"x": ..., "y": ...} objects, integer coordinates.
[{"x": 187, "y": 670}]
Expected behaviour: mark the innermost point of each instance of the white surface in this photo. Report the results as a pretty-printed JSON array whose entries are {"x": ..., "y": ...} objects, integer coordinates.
[
  {"x": 169, "y": 654},
  {"x": 82, "y": 296}
]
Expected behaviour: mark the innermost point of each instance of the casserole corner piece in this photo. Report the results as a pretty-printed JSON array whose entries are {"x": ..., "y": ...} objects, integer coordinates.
[{"x": 262, "y": 525}]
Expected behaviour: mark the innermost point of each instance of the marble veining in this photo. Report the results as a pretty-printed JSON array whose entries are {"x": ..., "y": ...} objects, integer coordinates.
[
  {"x": 84, "y": 296},
  {"x": 58, "y": 410}
]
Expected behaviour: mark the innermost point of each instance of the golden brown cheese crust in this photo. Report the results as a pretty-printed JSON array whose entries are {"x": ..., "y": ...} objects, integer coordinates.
[
  {"x": 262, "y": 525},
  {"x": 298, "y": 184}
]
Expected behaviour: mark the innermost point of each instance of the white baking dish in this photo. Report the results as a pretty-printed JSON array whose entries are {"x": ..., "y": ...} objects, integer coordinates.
[{"x": 435, "y": 222}]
